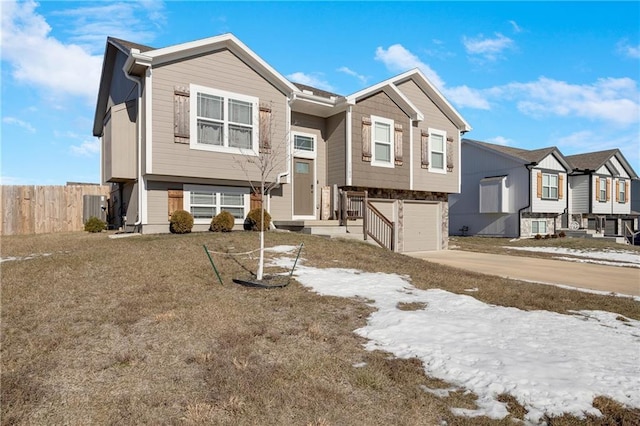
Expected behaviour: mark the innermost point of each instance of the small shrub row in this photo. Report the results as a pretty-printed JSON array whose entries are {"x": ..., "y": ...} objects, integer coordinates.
[
  {"x": 561, "y": 234},
  {"x": 181, "y": 221},
  {"x": 94, "y": 224}
]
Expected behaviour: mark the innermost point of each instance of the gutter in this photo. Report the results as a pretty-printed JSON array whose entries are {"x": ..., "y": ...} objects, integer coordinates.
[{"x": 529, "y": 167}]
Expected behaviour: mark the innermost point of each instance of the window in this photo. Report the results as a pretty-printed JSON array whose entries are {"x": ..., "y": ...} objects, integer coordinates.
[
  {"x": 205, "y": 202},
  {"x": 303, "y": 143},
  {"x": 549, "y": 186},
  {"x": 538, "y": 227},
  {"x": 223, "y": 121},
  {"x": 382, "y": 130},
  {"x": 602, "y": 192},
  {"x": 437, "y": 151},
  {"x": 622, "y": 191}
]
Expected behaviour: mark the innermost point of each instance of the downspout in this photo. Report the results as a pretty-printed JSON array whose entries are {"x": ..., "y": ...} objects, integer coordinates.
[
  {"x": 349, "y": 148},
  {"x": 529, "y": 167},
  {"x": 283, "y": 177},
  {"x": 138, "y": 81}
]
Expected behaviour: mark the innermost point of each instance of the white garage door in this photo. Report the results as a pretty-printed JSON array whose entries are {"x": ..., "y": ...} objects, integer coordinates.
[{"x": 422, "y": 225}]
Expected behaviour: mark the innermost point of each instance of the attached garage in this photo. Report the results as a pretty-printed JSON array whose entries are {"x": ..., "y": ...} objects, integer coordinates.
[{"x": 422, "y": 227}]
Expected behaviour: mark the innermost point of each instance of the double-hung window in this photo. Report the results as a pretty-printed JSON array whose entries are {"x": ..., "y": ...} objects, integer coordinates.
[
  {"x": 437, "y": 151},
  {"x": 549, "y": 186},
  {"x": 205, "y": 202},
  {"x": 603, "y": 190},
  {"x": 382, "y": 129},
  {"x": 622, "y": 191},
  {"x": 223, "y": 121}
]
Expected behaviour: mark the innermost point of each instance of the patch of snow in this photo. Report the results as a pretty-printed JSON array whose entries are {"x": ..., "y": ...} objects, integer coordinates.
[
  {"x": 282, "y": 249},
  {"x": 598, "y": 262},
  {"x": 359, "y": 364},
  {"x": 471, "y": 290},
  {"x": 29, "y": 257},
  {"x": 627, "y": 256},
  {"x": 551, "y": 363},
  {"x": 584, "y": 290},
  {"x": 441, "y": 393}
]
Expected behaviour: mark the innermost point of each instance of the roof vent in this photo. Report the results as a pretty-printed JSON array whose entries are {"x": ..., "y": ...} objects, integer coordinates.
[{"x": 308, "y": 92}]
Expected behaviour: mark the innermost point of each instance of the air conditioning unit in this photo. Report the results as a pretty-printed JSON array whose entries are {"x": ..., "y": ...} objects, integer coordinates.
[{"x": 94, "y": 205}]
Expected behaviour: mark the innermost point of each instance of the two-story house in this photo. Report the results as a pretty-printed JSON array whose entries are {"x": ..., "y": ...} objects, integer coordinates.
[
  {"x": 509, "y": 192},
  {"x": 600, "y": 187},
  {"x": 182, "y": 127}
]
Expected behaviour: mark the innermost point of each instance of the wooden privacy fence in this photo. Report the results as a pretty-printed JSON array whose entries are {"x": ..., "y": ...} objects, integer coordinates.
[{"x": 44, "y": 209}]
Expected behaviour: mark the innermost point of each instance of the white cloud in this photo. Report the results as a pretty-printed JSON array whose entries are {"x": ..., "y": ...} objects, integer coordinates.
[
  {"x": 313, "y": 80},
  {"x": 625, "y": 49},
  {"x": 600, "y": 139},
  {"x": 39, "y": 59},
  {"x": 398, "y": 59},
  {"x": 86, "y": 148},
  {"x": 516, "y": 28},
  {"x": 613, "y": 100},
  {"x": 500, "y": 140},
  {"x": 17, "y": 122},
  {"x": 134, "y": 21},
  {"x": 362, "y": 78},
  {"x": 489, "y": 48}
]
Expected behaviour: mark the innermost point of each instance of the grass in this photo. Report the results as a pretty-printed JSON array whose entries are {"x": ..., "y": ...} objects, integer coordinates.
[{"x": 138, "y": 330}]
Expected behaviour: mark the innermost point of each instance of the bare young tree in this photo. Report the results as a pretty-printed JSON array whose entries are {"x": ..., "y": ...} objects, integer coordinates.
[{"x": 269, "y": 162}]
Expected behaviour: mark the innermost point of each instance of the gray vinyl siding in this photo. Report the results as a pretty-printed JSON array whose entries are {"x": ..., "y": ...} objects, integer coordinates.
[
  {"x": 540, "y": 205},
  {"x": 601, "y": 207},
  {"x": 423, "y": 180},
  {"x": 619, "y": 167},
  {"x": 363, "y": 173},
  {"x": 464, "y": 208},
  {"x": 218, "y": 70},
  {"x": 158, "y": 202},
  {"x": 580, "y": 194},
  {"x": 336, "y": 149},
  {"x": 618, "y": 207},
  {"x": 121, "y": 89}
]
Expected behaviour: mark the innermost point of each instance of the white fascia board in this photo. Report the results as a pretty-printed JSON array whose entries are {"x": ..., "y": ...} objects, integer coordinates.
[
  {"x": 623, "y": 161},
  {"x": 230, "y": 42},
  {"x": 423, "y": 82}
]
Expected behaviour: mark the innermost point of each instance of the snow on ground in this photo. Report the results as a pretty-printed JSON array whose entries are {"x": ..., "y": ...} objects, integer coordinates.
[
  {"x": 598, "y": 262},
  {"x": 14, "y": 258},
  {"x": 552, "y": 363},
  {"x": 614, "y": 257}
]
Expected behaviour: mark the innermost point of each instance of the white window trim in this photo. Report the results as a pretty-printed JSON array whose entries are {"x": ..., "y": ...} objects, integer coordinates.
[
  {"x": 186, "y": 199},
  {"x": 557, "y": 187},
  {"x": 193, "y": 121},
  {"x": 444, "y": 150},
  {"x": 538, "y": 221},
  {"x": 602, "y": 190},
  {"x": 622, "y": 191},
  {"x": 388, "y": 122},
  {"x": 303, "y": 153}
]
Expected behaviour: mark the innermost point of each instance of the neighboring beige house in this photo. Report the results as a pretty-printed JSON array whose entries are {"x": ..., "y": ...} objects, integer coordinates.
[
  {"x": 509, "y": 192},
  {"x": 601, "y": 195},
  {"x": 178, "y": 124}
]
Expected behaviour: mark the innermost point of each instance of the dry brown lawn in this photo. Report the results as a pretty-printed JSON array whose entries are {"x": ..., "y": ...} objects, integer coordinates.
[{"x": 139, "y": 331}]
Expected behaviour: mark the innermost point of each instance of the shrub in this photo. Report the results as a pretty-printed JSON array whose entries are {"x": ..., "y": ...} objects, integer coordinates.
[
  {"x": 181, "y": 222},
  {"x": 554, "y": 235},
  {"x": 562, "y": 234},
  {"x": 253, "y": 220},
  {"x": 538, "y": 237},
  {"x": 94, "y": 224},
  {"x": 223, "y": 222},
  {"x": 547, "y": 236}
]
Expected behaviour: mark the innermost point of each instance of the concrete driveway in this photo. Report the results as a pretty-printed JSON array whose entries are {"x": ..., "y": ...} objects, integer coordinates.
[{"x": 582, "y": 275}]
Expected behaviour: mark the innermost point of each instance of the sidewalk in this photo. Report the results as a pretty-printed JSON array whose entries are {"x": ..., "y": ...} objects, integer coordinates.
[{"x": 582, "y": 275}]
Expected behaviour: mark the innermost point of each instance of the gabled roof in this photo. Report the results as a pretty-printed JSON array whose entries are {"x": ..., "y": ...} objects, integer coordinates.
[
  {"x": 126, "y": 46},
  {"x": 525, "y": 156},
  {"x": 592, "y": 161},
  {"x": 316, "y": 91},
  {"x": 394, "y": 93},
  {"x": 426, "y": 86}
]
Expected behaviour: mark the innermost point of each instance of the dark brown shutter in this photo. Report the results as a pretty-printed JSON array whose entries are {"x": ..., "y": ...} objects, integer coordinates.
[
  {"x": 175, "y": 201},
  {"x": 450, "y": 153},
  {"x": 560, "y": 187},
  {"x": 627, "y": 194},
  {"x": 539, "y": 189},
  {"x": 398, "y": 144},
  {"x": 366, "y": 139},
  {"x": 265, "y": 129},
  {"x": 181, "y": 114},
  {"x": 424, "y": 142}
]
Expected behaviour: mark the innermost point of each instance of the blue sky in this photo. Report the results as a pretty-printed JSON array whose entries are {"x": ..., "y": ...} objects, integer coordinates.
[{"x": 527, "y": 75}]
